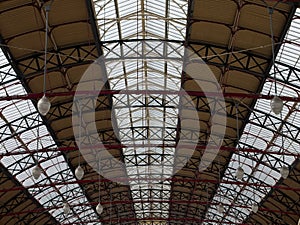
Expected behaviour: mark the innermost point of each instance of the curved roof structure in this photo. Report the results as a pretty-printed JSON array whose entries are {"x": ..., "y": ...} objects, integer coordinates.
[{"x": 160, "y": 103}]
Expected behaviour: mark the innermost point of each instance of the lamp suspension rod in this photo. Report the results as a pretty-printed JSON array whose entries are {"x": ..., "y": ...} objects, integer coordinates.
[
  {"x": 237, "y": 132},
  {"x": 47, "y": 9},
  {"x": 271, "y": 11}
]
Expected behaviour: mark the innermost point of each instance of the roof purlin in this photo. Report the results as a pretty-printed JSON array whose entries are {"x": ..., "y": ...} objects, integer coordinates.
[
  {"x": 263, "y": 76},
  {"x": 24, "y": 190},
  {"x": 99, "y": 45}
]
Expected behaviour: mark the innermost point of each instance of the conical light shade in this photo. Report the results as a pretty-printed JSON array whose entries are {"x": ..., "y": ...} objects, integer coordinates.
[
  {"x": 66, "y": 208},
  {"x": 276, "y": 105},
  {"x": 254, "y": 208},
  {"x": 220, "y": 208},
  {"x": 43, "y": 105},
  {"x": 79, "y": 173},
  {"x": 36, "y": 172},
  {"x": 99, "y": 208},
  {"x": 284, "y": 171},
  {"x": 239, "y": 173}
]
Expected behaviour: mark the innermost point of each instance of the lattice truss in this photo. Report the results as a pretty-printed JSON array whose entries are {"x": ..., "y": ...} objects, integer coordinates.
[{"x": 140, "y": 118}]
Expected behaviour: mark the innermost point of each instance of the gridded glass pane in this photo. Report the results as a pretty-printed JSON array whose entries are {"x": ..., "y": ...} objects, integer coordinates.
[{"x": 265, "y": 132}]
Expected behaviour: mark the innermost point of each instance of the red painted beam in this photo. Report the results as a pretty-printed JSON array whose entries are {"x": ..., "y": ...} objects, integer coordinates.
[
  {"x": 123, "y": 180},
  {"x": 166, "y": 92},
  {"x": 120, "y": 146},
  {"x": 108, "y": 204}
]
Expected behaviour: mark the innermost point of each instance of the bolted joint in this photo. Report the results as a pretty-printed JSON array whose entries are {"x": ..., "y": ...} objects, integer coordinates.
[
  {"x": 47, "y": 7},
  {"x": 271, "y": 10}
]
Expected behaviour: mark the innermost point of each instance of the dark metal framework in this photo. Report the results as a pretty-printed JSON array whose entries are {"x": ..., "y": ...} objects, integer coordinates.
[{"x": 175, "y": 201}]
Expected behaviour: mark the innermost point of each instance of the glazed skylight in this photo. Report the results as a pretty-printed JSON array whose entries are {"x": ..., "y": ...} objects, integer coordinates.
[
  {"x": 264, "y": 168},
  {"x": 145, "y": 61},
  {"x": 20, "y": 125}
]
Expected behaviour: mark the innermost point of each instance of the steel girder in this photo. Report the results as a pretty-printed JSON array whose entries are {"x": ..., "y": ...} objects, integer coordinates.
[
  {"x": 288, "y": 199},
  {"x": 19, "y": 200},
  {"x": 258, "y": 65},
  {"x": 20, "y": 75},
  {"x": 62, "y": 59},
  {"x": 232, "y": 105},
  {"x": 228, "y": 60},
  {"x": 250, "y": 61}
]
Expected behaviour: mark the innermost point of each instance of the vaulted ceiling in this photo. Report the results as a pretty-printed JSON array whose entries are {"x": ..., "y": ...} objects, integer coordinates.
[{"x": 143, "y": 94}]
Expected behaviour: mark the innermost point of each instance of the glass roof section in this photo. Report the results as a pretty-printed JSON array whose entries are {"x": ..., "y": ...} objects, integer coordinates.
[
  {"x": 138, "y": 57},
  {"x": 21, "y": 127},
  {"x": 143, "y": 46},
  {"x": 265, "y": 132}
]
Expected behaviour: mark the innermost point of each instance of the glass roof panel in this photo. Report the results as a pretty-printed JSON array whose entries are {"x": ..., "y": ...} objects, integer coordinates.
[
  {"x": 24, "y": 130},
  {"x": 124, "y": 20},
  {"x": 289, "y": 51},
  {"x": 147, "y": 119},
  {"x": 266, "y": 132}
]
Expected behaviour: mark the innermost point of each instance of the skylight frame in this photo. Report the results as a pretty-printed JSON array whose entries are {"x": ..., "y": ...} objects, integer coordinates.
[
  {"x": 23, "y": 116},
  {"x": 151, "y": 28},
  {"x": 262, "y": 110}
]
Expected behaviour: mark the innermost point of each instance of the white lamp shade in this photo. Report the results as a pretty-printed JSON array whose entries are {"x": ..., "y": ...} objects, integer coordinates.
[
  {"x": 276, "y": 105},
  {"x": 43, "y": 105},
  {"x": 254, "y": 208},
  {"x": 79, "y": 173},
  {"x": 36, "y": 172},
  {"x": 284, "y": 171},
  {"x": 99, "y": 208},
  {"x": 220, "y": 208},
  {"x": 239, "y": 173},
  {"x": 66, "y": 208}
]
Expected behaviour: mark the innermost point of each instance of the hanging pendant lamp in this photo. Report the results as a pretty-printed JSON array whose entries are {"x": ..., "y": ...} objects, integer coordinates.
[
  {"x": 220, "y": 208},
  {"x": 239, "y": 173},
  {"x": 79, "y": 172},
  {"x": 36, "y": 172},
  {"x": 276, "y": 102},
  {"x": 66, "y": 208},
  {"x": 276, "y": 105},
  {"x": 99, "y": 208},
  {"x": 44, "y": 104},
  {"x": 284, "y": 171},
  {"x": 254, "y": 208}
]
